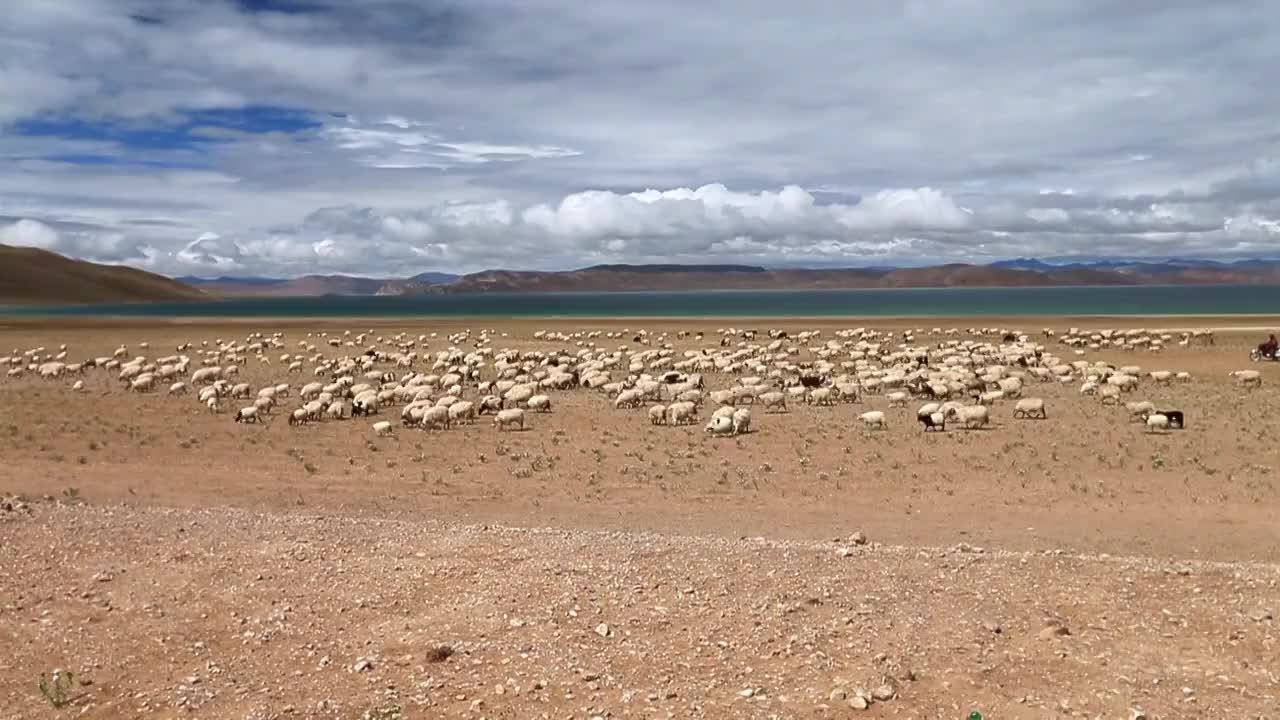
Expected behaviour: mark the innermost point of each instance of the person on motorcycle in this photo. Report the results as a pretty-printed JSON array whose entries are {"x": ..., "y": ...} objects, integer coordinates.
[{"x": 1269, "y": 348}]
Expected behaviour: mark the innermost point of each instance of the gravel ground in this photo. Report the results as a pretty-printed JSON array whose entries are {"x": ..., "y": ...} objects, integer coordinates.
[{"x": 236, "y": 614}]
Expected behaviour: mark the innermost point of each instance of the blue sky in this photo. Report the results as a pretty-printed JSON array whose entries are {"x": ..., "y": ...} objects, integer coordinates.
[{"x": 389, "y": 137}]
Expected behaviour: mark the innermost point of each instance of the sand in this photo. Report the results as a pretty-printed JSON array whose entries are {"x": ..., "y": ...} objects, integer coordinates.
[{"x": 151, "y": 526}]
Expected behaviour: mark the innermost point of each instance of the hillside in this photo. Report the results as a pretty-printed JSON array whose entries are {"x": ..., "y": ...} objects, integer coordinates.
[
  {"x": 30, "y": 276},
  {"x": 316, "y": 285}
]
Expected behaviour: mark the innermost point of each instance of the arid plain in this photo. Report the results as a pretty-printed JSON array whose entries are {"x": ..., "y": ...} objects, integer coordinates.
[{"x": 596, "y": 565}]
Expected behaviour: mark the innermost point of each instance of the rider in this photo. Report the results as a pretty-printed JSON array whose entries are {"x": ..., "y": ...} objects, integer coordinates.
[{"x": 1269, "y": 348}]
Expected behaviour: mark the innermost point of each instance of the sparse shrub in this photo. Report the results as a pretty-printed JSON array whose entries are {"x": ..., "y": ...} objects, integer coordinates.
[{"x": 57, "y": 689}]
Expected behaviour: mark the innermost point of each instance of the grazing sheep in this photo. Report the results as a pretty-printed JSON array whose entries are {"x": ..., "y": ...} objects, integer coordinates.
[
  {"x": 78, "y": 386},
  {"x": 1157, "y": 422},
  {"x": 933, "y": 421},
  {"x": 628, "y": 399},
  {"x": 1030, "y": 408},
  {"x": 463, "y": 411},
  {"x": 540, "y": 403},
  {"x": 1162, "y": 377},
  {"x": 973, "y": 416},
  {"x": 741, "y": 421},
  {"x": 506, "y": 418},
  {"x": 658, "y": 415},
  {"x": 897, "y": 399},
  {"x": 178, "y": 388},
  {"x": 774, "y": 401},
  {"x": 1140, "y": 410},
  {"x": 382, "y": 428},
  {"x": 680, "y": 413},
  {"x": 873, "y": 419},
  {"x": 1183, "y": 377},
  {"x": 719, "y": 426},
  {"x": 1177, "y": 418},
  {"x": 437, "y": 417},
  {"x": 298, "y": 417},
  {"x": 247, "y": 415},
  {"x": 1109, "y": 395},
  {"x": 1248, "y": 378},
  {"x": 821, "y": 396}
]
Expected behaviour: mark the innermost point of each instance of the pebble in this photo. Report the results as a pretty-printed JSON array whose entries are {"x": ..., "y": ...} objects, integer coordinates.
[
  {"x": 839, "y": 694},
  {"x": 884, "y": 692},
  {"x": 857, "y": 702},
  {"x": 603, "y": 630},
  {"x": 858, "y": 538},
  {"x": 362, "y": 665},
  {"x": 1260, "y": 615}
]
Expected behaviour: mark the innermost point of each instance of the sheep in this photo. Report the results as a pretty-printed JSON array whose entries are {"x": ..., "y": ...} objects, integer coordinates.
[
  {"x": 1140, "y": 410},
  {"x": 933, "y": 421},
  {"x": 506, "y": 418},
  {"x": 897, "y": 399},
  {"x": 247, "y": 415},
  {"x": 1248, "y": 378},
  {"x": 178, "y": 388},
  {"x": 489, "y": 403},
  {"x": 973, "y": 416},
  {"x": 821, "y": 396},
  {"x": 1089, "y": 388},
  {"x": 774, "y": 401},
  {"x": 990, "y": 398},
  {"x": 143, "y": 383},
  {"x": 78, "y": 386},
  {"x": 658, "y": 415},
  {"x": 462, "y": 411},
  {"x": 680, "y": 413},
  {"x": 1162, "y": 377},
  {"x": 629, "y": 399},
  {"x": 719, "y": 426},
  {"x": 1030, "y": 408},
  {"x": 873, "y": 419},
  {"x": 1157, "y": 422},
  {"x": 382, "y": 428},
  {"x": 438, "y": 417},
  {"x": 1109, "y": 395},
  {"x": 540, "y": 403},
  {"x": 298, "y": 417},
  {"x": 741, "y": 421},
  {"x": 1183, "y": 377}
]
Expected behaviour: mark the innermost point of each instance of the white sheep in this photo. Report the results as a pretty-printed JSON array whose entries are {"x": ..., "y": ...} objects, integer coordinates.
[
  {"x": 1157, "y": 422},
  {"x": 774, "y": 401},
  {"x": 658, "y": 415},
  {"x": 1248, "y": 378},
  {"x": 897, "y": 399},
  {"x": 298, "y": 417},
  {"x": 719, "y": 426},
  {"x": 247, "y": 415},
  {"x": 1162, "y": 377},
  {"x": 1030, "y": 408},
  {"x": 873, "y": 419},
  {"x": 741, "y": 421},
  {"x": 822, "y": 396},
  {"x": 436, "y": 417},
  {"x": 973, "y": 416},
  {"x": 681, "y": 413},
  {"x": 507, "y": 418},
  {"x": 382, "y": 428},
  {"x": 1140, "y": 411},
  {"x": 540, "y": 403},
  {"x": 178, "y": 388},
  {"x": 463, "y": 411}
]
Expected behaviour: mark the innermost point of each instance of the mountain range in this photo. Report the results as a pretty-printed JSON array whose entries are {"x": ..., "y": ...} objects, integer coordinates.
[{"x": 29, "y": 276}]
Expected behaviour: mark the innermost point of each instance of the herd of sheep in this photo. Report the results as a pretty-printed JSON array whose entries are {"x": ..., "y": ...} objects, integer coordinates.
[{"x": 438, "y": 383}]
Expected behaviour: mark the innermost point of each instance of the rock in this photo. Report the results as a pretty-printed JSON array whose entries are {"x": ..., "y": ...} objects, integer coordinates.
[
  {"x": 1260, "y": 615},
  {"x": 1054, "y": 629},
  {"x": 845, "y": 552},
  {"x": 603, "y": 630},
  {"x": 992, "y": 626},
  {"x": 1136, "y": 714},
  {"x": 858, "y": 538},
  {"x": 839, "y": 694},
  {"x": 884, "y": 692},
  {"x": 747, "y": 692},
  {"x": 362, "y": 665},
  {"x": 857, "y": 702},
  {"x": 103, "y": 577}
]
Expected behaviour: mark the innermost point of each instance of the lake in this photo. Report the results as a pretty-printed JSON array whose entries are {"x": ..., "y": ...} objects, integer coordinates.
[{"x": 1110, "y": 300}]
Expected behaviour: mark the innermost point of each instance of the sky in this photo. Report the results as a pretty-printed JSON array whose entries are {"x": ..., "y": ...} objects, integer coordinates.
[{"x": 391, "y": 137}]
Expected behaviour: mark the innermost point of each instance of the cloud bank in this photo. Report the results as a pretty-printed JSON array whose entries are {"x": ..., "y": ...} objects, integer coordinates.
[{"x": 388, "y": 138}]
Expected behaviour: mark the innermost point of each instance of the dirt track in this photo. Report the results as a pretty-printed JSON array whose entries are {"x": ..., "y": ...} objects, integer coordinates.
[{"x": 1085, "y": 480}]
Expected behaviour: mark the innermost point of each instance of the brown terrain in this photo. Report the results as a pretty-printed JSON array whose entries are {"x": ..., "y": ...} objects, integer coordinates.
[
  {"x": 596, "y": 566},
  {"x": 32, "y": 276}
]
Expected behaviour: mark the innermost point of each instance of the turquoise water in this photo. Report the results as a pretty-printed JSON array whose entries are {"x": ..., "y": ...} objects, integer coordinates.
[{"x": 1144, "y": 300}]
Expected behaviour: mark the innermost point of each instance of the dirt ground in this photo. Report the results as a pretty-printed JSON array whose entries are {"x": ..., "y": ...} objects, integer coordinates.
[{"x": 187, "y": 565}]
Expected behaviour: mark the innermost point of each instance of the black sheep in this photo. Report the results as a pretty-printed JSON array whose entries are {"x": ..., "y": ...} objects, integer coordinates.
[{"x": 929, "y": 424}]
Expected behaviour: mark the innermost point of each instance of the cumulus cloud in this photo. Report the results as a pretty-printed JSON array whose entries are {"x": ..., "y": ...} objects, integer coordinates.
[{"x": 458, "y": 136}]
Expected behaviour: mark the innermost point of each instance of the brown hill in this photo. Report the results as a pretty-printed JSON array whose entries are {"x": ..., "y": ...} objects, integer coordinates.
[{"x": 30, "y": 276}]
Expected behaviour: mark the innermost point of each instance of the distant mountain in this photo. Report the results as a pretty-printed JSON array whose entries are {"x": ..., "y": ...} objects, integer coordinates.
[
  {"x": 434, "y": 278},
  {"x": 34, "y": 276}
]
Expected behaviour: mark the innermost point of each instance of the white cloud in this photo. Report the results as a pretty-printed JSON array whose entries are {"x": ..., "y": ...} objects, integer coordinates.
[{"x": 466, "y": 135}]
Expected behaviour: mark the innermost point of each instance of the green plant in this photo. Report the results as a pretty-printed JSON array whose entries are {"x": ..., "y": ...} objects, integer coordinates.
[
  {"x": 57, "y": 689},
  {"x": 71, "y": 494}
]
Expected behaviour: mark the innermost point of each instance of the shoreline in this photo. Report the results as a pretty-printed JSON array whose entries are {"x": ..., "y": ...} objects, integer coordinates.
[{"x": 1207, "y": 321}]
